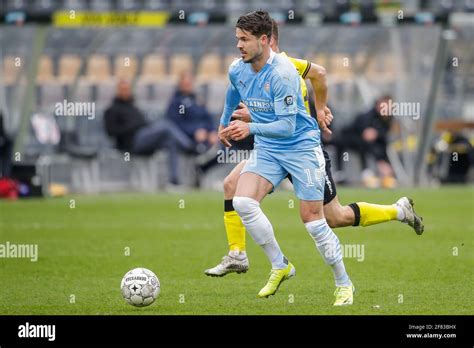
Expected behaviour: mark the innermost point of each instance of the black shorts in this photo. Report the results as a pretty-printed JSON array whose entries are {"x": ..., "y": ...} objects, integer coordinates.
[{"x": 329, "y": 186}]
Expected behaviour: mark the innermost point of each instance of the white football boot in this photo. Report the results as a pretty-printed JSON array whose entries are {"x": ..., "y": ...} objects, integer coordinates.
[
  {"x": 233, "y": 262},
  {"x": 413, "y": 220}
]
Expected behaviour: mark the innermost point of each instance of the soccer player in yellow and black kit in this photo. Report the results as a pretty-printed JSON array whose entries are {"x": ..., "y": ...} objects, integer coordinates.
[{"x": 355, "y": 214}]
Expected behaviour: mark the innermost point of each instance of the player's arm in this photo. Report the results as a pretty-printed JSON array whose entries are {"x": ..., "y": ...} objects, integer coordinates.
[
  {"x": 232, "y": 100},
  {"x": 285, "y": 107},
  {"x": 318, "y": 79},
  {"x": 284, "y": 127}
]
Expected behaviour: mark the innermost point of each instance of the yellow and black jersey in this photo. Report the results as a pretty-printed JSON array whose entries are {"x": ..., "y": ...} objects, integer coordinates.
[{"x": 302, "y": 66}]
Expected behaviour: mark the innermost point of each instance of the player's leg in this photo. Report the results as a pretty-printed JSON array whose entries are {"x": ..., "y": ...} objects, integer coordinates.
[
  {"x": 367, "y": 214},
  {"x": 234, "y": 227},
  {"x": 308, "y": 173},
  {"x": 329, "y": 247},
  {"x": 259, "y": 176},
  {"x": 362, "y": 213},
  {"x": 236, "y": 260},
  {"x": 336, "y": 215}
]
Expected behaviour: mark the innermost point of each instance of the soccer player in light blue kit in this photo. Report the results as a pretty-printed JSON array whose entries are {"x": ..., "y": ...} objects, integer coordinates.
[{"x": 286, "y": 141}]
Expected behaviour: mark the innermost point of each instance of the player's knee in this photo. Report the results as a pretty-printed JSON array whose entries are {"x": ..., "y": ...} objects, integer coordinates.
[
  {"x": 229, "y": 185},
  {"x": 246, "y": 207},
  {"x": 335, "y": 219},
  {"x": 311, "y": 214},
  {"x": 338, "y": 216}
]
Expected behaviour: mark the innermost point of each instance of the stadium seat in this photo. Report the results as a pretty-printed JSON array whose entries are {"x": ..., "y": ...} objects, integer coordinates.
[
  {"x": 75, "y": 5},
  {"x": 157, "y": 5},
  {"x": 85, "y": 175},
  {"x": 49, "y": 93},
  {"x": 144, "y": 172},
  {"x": 340, "y": 68},
  {"x": 153, "y": 68},
  {"x": 98, "y": 68},
  {"x": 103, "y": 5},
  {"x": 16, "y": 5},
  {"x": 125, "y": 67},
  {"x": 180, "y": 63},
  {"x": 45, "y": 70},
  {"x": 129, "y": 5},
  {"x": 69, "y": 67},
  {"x": 229, "y": 58},
  {"x": 83, "y": 92},
  {"x": 382, "y": 68},
  {"x": 105, "y": 92},
  {"x": 216, "y": 91},
  {"x": 44, "y": 6},
  {"x": 11, "y": 70},
  {"x": 320, "y": 59},
  {"x": 163, "y": 91},
  {"x": 210, "y": 67},
  {"x": 142, "y": 91}
]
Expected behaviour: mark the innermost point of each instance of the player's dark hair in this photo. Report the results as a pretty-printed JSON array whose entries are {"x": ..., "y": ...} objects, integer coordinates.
[
  {"x": 275, "y": 30},
  {"x": 257, "y": 23}
]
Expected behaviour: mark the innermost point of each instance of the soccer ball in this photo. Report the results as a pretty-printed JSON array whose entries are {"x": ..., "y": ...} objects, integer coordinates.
[{"x": 140, "y": 287}]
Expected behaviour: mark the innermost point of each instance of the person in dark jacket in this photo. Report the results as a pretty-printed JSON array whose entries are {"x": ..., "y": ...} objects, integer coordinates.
[
  {"x": 190, "y": 116},
  {"x": 6, "y": 151},
  {"x": 133, "y": 134},
  {"x": 368, "y": 135}
]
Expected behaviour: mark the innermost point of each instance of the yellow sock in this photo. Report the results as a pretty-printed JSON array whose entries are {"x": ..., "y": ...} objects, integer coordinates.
[
  {"x": 371, "y": 214},
  {"x": 235, "y": 230}
]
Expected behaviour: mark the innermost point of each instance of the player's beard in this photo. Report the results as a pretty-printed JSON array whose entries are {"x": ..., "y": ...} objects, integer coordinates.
[{"x": 256, "y": 56}]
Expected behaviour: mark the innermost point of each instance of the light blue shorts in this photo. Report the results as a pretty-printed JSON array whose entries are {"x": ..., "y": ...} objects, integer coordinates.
[{"x": 306, "y": 167}]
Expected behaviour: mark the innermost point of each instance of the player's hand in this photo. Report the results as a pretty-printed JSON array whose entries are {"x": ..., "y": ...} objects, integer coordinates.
[
  {"x": 242, "y": 114},
  {"x": 328, "y": 115},
  {"x": 321, "y": 117},
  {"x": 238, "y": 130},
  {"x": 223, "y": 136}
]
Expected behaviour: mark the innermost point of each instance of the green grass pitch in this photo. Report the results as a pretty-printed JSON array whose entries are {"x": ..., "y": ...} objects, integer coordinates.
[{"x": 82, "y": 256}]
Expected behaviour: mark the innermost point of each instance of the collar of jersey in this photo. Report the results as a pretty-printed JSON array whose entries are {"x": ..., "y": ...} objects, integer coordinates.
[
  {"x": 272, "y": 56},
  {"x": 269, "y": 62}
]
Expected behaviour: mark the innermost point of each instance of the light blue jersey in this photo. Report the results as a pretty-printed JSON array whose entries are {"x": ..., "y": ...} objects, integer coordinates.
[{"x": 279, "y": 118}]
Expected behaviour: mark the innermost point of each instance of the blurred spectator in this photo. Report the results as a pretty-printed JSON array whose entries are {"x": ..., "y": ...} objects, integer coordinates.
[
  {"x": 191, "y": 117},
  {"x": 6, "y": 150},
  {"x": 127, "y": 124},
  {"x": 451, "y": 157},
  {"x": 367, "y": 135}
]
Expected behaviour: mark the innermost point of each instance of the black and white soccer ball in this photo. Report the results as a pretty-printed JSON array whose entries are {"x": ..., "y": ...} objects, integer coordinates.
[{"x": 140, "y": 287}]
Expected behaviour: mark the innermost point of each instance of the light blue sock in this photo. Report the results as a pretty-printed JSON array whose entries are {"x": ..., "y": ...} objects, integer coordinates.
[{"x": 330, "y": 249}]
